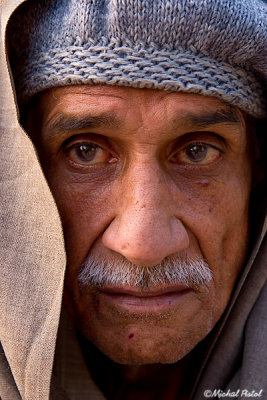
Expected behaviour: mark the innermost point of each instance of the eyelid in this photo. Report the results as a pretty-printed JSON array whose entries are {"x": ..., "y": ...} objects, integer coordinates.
[
  {"x": 73, "y": 145},
  {"x": 101, "y": 142},
  {"x": 211, "y": 140},
  {"x": 87, "y": 138},
  {"x": 181, "y": 158},
  {"x": 199, "y": 137}
]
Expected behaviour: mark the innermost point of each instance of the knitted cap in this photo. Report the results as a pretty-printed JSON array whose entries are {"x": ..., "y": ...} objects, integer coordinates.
[{"x": 211, "y": 47}]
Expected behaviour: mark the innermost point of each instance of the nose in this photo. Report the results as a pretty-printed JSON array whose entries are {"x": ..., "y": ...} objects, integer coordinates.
[{"x": 145, "y": 229}]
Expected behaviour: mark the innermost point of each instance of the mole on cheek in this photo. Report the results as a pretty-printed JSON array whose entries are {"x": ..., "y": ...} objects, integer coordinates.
[
  {"x": 204, "y": 182},
  {"x": 131, "y": 335}
]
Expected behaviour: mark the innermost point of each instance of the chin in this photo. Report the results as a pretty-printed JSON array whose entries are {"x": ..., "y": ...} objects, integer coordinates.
[
  {"x": 144, "y": 347},
  {"x": 138, "y": 337}
]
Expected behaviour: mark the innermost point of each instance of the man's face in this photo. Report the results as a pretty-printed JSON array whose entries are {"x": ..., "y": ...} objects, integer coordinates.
[{"x": 146, "y": 176}]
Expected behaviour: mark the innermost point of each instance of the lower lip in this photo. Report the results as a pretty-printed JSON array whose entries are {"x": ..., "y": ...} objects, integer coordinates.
[{"x": 146, "y": 304}]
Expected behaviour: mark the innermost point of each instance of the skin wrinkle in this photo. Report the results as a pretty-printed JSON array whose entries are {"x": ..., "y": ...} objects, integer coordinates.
[
  {"x": 146, "y": 208},
  {"x": 61, "y": 123}
]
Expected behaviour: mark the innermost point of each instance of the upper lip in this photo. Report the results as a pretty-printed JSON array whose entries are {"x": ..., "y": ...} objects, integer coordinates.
[{"x": 143, "y": 293}]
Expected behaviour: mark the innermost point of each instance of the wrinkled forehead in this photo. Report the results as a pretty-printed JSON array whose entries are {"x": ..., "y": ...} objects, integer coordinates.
[{"x": 71, "y": 106}]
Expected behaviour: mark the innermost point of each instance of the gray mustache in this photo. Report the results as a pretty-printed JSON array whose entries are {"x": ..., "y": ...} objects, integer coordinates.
[{"x": 172, "y": 270}]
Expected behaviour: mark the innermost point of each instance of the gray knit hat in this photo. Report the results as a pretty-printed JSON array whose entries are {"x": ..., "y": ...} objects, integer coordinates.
[{"x": 211, "y": 47}]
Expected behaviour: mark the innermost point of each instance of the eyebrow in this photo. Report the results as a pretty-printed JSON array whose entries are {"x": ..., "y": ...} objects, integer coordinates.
[
  {"x": 64, "y": 123},
  {"x": 67, "y": 123},
  {"x": 225, "y": 115}
]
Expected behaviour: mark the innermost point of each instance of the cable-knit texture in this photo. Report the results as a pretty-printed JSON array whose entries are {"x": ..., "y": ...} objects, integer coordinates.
[{"x": 210, "y": 47}]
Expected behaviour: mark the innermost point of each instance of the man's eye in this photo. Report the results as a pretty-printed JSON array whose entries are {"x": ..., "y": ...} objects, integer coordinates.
[
  {"x": 89, "y": 153},
  {"x": 194, "y": 153}
]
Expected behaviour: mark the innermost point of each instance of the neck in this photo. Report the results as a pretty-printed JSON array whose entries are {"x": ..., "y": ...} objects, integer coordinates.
[{"x": 135, "y": 373}]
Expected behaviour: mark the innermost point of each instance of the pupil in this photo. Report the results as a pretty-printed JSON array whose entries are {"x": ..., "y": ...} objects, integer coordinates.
[
  {"x": 197, "y": 152},
  {"x": 86, "y": 152}
]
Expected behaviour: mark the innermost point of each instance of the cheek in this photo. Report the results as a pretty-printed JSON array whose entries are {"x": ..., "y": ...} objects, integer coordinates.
[
  {"x": 85, "y": 210},
  {"x": 221, "y": 227},
  {"x": 85, "y": 214}
]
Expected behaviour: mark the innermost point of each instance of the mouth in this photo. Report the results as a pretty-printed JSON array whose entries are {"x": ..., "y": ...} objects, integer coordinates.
[{"x": 144, "y": 301}]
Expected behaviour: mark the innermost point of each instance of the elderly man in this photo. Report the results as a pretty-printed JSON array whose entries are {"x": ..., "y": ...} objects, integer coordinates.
[{"x": 144, "y": 116}]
